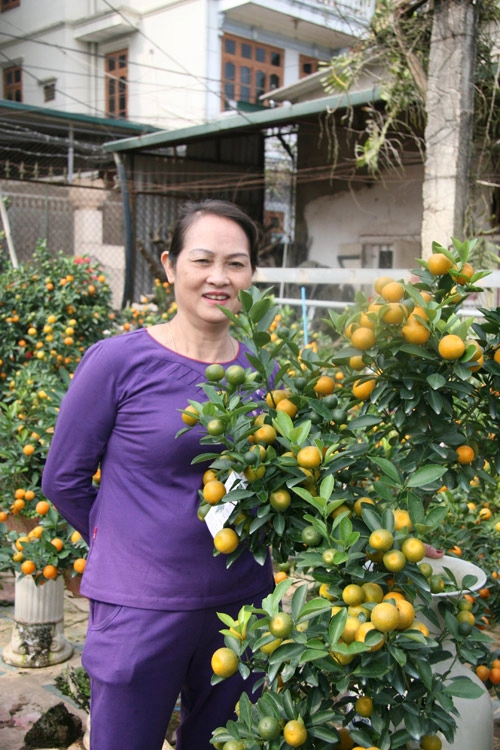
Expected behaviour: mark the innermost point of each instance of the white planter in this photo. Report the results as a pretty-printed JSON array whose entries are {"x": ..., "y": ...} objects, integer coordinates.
[
  {"x": 38, "y": 638},
  {"x": 475, "y": 719},
  {"x": 86, "y": 736}
]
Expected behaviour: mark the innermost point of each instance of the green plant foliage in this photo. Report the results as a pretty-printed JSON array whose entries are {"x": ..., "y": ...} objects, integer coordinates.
[
  {"x": 75, "y": 683},
  {"x": 51, "y": 310},
  {"x": 367, "y": 477}
]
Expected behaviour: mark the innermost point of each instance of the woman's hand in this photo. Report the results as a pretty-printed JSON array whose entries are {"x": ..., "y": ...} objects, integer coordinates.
[{"x": 432, "y": 552}]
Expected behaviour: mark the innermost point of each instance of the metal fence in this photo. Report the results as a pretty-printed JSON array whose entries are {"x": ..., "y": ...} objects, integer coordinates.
[
  {"x": 87, "y": 220},
  {"x": 81, "y": 220}
]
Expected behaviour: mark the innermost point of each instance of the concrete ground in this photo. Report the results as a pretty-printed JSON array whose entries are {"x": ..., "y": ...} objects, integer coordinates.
[{"x": 25, "y": 694}]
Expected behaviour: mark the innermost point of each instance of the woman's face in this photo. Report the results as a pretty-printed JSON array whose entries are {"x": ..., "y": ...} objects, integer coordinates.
[{"x": 212, "y": 267}]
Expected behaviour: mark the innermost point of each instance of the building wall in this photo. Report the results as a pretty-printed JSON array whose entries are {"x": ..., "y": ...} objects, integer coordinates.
[
  {"x": 384, "y": 213},
  {"x": 174, "y": 50}
]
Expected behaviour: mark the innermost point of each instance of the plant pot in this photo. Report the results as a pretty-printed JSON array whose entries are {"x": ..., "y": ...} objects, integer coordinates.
[
  {"x": 72, "y": 583},
  {"x": 475, "y": 716},
  {"x": 86, "y": 736},
  {"x": 38, "y": 638},
  {"x": 21, "y": 524}
]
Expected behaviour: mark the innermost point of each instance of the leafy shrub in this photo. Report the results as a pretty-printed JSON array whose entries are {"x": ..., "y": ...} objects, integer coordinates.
[
  {"x": 340, "y": 466},
  {"x": 51, "y": 310}
]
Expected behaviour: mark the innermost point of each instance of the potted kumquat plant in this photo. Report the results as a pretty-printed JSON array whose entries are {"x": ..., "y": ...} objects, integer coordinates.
[
  {"x": 51, "y": 310},
  {"x": 337, "y": 461}
]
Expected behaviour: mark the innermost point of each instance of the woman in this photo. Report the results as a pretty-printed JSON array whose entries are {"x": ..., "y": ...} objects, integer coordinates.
[{"x": 154, "y": 585}]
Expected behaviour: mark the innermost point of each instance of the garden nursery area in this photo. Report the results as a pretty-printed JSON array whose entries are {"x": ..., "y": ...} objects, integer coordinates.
[{"x": 373, "y": 448}]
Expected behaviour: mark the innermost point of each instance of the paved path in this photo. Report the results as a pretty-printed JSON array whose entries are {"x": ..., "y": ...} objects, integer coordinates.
[{"x": 27, "y": 693}]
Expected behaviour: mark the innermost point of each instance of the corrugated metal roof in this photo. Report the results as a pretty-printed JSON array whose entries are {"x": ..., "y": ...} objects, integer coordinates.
[
  {"x": 105, "y": 123},
  {"x": 265, "y": 118}
]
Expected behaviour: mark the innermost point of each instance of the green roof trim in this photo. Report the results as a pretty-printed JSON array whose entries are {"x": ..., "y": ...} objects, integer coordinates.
[
  {"x": 265, "y": 118},
  {"x": 106, "y": 122}
]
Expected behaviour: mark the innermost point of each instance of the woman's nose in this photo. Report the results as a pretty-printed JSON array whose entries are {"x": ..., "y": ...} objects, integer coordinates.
[{"x": 218, "y": 274}]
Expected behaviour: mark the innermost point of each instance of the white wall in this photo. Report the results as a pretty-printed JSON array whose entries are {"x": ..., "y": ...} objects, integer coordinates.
[
  {"x": 174, "y": 54},
  {"x": 174, "y": 43},
  {"x": 390, "y": 209}
]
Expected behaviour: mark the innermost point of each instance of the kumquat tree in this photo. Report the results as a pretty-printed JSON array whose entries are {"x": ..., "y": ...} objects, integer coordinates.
[
  {"x": 51, "y": 310},
  {"x": 346, "y": 464}
]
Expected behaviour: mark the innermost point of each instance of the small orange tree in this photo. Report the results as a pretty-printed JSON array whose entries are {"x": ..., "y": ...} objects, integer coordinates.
[
  {"x": 337, "y": 466},
  {"x": 51, "y": 310}
]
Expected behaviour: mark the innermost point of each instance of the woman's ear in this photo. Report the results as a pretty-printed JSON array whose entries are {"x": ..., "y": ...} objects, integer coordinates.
[{"x": 167, "y": 267}]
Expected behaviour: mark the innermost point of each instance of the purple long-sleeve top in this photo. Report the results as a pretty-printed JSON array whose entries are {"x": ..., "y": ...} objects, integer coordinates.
[{"x": 148, "y": 549}]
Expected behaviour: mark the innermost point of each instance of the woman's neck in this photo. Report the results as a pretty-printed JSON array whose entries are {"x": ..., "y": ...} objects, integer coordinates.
[{"x": 205, "y": 345}]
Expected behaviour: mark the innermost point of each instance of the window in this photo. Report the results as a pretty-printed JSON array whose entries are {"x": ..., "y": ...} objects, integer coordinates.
[
  {"x": 49, "y": 91},
  {"x": 249, "y": 69},
  {"x": 116, "y": 84},
  {"x": 307, "y": 65},
  {"x": 8, "y": 4},
  {"x": 274, "y": 221},
  {"x": 377, "y": 255},
  {"x": 13, "y": 83}
]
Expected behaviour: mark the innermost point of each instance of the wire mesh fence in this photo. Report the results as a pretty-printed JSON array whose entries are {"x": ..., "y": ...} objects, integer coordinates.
[{"x": 82, "y": 220}]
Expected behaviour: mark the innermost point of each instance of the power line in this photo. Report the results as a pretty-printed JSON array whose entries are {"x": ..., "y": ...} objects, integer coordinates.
[
  {"x": 39, "y": 82},
  {"x": 86, "y": 53},
  {"x": 227, "y": 102}
]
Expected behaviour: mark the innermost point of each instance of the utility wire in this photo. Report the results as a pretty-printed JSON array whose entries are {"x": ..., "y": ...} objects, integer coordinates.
[
  {"x": 227, "y": 102},
  {"x": 85, "y": 53}
]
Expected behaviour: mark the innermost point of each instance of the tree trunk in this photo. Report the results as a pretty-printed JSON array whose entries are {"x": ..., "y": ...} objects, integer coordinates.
[{"x": 450, "y": 111}]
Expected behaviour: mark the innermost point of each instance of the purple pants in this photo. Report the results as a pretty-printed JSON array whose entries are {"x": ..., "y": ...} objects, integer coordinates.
[{"x": 139, "y": 661}]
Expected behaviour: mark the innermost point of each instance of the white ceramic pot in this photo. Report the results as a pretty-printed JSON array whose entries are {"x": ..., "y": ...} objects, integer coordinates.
[
  {"x": 475, "y": 719},
  {"x": 38, "y": 638}
]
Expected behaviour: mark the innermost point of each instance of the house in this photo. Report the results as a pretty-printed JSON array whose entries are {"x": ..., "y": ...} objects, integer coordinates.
[
  {"x": 170, "y": 64},
  {"x": 180, "y": 65}
]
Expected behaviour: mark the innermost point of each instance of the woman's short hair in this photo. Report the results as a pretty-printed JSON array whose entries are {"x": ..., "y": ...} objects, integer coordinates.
[{"x": 192, "y": 210}]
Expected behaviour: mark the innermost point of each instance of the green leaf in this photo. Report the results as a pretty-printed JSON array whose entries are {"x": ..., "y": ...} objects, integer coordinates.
[
  {"x": 314, "y": 607},
  {"x": 425, "y": 672},
  {"x": 283, "y": 424},
  {"x": 413, "y": 725},
  {"x": 324, "y": 733},
  {"x": 436, "y": 516},
  {"x": 226, "y": 619},
  {"x": 259, "y": 309},
  {"x": 298, "y": 600},
  {"x": 336, "y": 626},
  {"x": 415, "y": 508},
  {"x": 326, "y": 487},
  {"x": 426, "y": 475},
  {"x": 323, "y": 717},
  {"x": 246, "y": 300},
  {"x": 464, "y": 687},
  {"x": 436, "y": 381},
  {"x": 436, "y": 401},
  {"x": 374, "y": 669},
  {"x": 370, "y": 517},
  {"x": 245, "y": 708},
  {"x": 363, "y": 422},
  {"x": 287, "y": 651},
  {"x": 388, "y": 469},
  {"x": 261, "y": 338},
  {"x": 299, "y": 434},
  {"x": 417, "y": 351},
  {"x": 312, "y": 654},
  {"x": 272, "y": 601},
  {"x": 279, "y": 523}
]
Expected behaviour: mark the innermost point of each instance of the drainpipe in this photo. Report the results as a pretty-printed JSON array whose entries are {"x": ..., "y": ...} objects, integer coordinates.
[
  {"x": 71, "y": 155},
  {"x": 127, "y": 221}
]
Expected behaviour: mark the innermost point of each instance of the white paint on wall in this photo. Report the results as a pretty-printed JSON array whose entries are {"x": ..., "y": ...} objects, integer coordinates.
[{"x": 389, "y": 209}]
